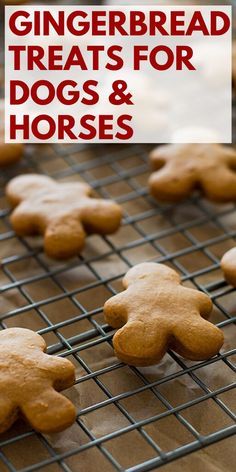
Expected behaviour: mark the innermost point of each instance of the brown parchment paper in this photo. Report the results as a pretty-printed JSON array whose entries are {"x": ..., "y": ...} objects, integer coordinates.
[{"x": 169, "y": 432}]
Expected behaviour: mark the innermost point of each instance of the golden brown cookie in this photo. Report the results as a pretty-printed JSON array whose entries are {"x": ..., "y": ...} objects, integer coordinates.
[
  {"x": 228, "y": 265},
  {"x": 182, "y": 168},
  {"x": 30, "y": 381},
  {"x": 63, "y": 212},
  {"x": 9, "y": 153},
  {"x": 156, "y": 313}
]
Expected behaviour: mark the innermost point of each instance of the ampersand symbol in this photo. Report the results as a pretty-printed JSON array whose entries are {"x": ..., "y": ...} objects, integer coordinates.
[{"x": 118, "y": 97}]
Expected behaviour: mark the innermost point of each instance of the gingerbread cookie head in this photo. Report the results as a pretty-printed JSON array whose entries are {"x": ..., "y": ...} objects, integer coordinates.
[
  {"x": 30, "y": 381},
  {"x": 228, "y": 265},
  {"x": 63, "y": 212},
  {"x": 179, "y": 169},
  {"x": 147, "y": 271},
  {"x": 156, "y": 313},
  {"x": 9, "y": 153}
]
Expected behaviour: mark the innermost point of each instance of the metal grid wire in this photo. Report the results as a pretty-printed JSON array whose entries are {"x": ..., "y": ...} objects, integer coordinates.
[
  {"x": 189, "y": 236},
  {"x": 124, "y": 169}
]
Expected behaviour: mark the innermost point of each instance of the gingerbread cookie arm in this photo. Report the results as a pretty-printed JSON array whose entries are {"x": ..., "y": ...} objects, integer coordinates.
[
  {"x": 62, "y": 371},
  {"x": 24, "y": 186},
  {"x": 168, "y": 184},
  {"x": 200, "y": 300},
  {"x": 49, "y": 411},
  {"x": 115, "y": 311},
  {"x": 101, "y": 216},
  {"x": 158, "y": 158},
  {"x": 64, "y": 237},
  {"x": 198, "y": 340},
  {"x": 25, "y": 220},
  {"x": 163, "y": 155},
  {"x": 228, "y": 265}
]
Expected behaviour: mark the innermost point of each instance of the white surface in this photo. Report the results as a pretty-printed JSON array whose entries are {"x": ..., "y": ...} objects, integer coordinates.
[{"x": 165, "y": 102}]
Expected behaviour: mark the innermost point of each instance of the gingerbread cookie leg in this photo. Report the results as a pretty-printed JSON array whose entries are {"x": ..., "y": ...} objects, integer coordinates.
[
  {"x": 24, "y": 222},
  {"x": 168, "y": 186},
  {"x": 101, "y": 217},
  {"x": 197, "y": 343},
  {"x": 139, "y": 344},
  {"x": 226, "y": 191},
  {"x": 64, "y": 238},
  {"x": 49, "y": 411},
  {"x": 228, "y": 265},
  {"x": 8, "y": 414}
]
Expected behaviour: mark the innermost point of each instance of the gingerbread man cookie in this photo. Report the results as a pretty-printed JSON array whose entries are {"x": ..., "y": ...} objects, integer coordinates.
[
  {"x": 9, "y": 153},
  {"x": 155, "y": 313},
  {"x": 63, "y": 212},
  {"x": 182, "y": 168},
  {"x": 228, "y": 265},
  {"x": 30, "y": 381}
]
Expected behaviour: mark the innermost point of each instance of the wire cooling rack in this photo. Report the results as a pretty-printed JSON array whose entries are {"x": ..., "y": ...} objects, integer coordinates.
[
  {"x": 128, "y": 418},
  {"x": 64, "y": 301}
]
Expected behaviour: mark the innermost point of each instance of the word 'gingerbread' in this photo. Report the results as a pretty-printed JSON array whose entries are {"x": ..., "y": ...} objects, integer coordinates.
[
  {"x": 155, "y": 313},
  {"x": 228, "y": 265},
  {"x": 9, "y": 153},
  {"x": 63, "y": 212},
  {"x": 30, "y": 381},
  {"x": 182, "y": 168}
]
